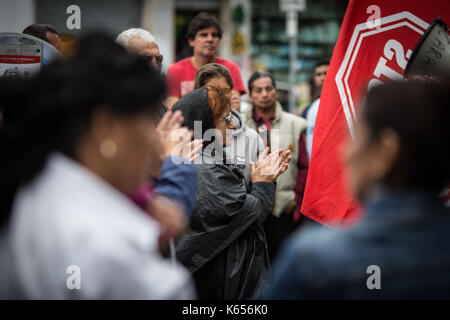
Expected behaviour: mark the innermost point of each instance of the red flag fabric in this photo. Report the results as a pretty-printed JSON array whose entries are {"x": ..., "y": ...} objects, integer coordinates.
[{"x": 376, "y": 40}]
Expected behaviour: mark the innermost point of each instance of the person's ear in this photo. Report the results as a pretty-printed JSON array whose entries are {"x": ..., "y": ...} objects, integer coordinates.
[
  {"x": 191, "y": 42},
  {"x": 250, "y": 96},
  {"x": 387, "y": 151}
]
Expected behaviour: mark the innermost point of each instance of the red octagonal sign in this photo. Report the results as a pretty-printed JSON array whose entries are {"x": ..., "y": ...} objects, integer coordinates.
[{"x": 383, "y": 49}]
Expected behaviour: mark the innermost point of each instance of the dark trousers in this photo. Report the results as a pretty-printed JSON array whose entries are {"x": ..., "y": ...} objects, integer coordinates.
[{"x": 277, "y": 229}]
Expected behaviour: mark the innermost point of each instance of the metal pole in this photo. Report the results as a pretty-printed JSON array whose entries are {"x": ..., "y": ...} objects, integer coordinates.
[
  {"x": 292, "y": 29},
  {"x": 172, "y": 252}
]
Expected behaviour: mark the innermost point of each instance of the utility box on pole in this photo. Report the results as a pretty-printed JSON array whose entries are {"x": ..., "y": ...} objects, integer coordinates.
[
  {"x": 22, "y": 55},
  {"x": 292, "y": 7}
]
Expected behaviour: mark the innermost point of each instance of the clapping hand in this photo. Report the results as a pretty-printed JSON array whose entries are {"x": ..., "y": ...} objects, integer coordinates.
[
  {"x": 270, "y": 165},
  {"x": 176, "y": 139}
]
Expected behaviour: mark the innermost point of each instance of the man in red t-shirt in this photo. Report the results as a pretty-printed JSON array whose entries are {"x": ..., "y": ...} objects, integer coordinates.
[{"x": 203, "y": 35}]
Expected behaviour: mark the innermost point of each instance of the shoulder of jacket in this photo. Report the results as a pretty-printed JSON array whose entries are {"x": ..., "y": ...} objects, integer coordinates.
[
  {"x": 251, "y": 132},
  {"x": 221, "y": 173},
  {"x": 247, "y": 114}
]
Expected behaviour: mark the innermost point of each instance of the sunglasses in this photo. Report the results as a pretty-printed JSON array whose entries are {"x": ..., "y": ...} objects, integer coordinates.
[{"x": 150, "y": 59}]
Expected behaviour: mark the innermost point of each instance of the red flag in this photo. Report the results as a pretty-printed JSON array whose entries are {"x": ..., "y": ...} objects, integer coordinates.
[{"x": 376, "y": 40}]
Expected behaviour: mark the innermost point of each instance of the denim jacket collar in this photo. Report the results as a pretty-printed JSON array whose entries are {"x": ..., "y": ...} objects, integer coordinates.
[{"x": 403, "y": 202}]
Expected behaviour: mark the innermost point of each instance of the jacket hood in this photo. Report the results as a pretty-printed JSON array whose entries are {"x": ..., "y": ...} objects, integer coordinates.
[
  {"x": 237, "y": 119},
  {"x": 194, "y": 107}
]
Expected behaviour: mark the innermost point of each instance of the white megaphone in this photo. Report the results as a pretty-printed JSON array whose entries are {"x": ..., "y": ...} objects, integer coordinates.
[{"x": 431, "y": 56}]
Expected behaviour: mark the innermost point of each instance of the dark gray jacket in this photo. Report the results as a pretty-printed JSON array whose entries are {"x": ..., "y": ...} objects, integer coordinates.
[{"x": 225, "y": 246}]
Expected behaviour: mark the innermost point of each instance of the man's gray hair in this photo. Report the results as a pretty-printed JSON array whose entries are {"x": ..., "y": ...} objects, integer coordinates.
[{"x": 142, "y": 34}]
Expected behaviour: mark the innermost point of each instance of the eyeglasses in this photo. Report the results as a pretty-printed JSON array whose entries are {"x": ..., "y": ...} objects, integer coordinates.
[
  {"x": 150, "y": 59},
  {"x": 227, "y": 119}
]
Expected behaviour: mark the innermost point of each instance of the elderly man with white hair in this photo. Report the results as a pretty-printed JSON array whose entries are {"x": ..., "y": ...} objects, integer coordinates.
[{"x": 143, "y": 43}]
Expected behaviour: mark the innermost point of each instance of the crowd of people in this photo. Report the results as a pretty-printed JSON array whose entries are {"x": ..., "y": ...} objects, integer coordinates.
[{"x": 158, "y": 187}]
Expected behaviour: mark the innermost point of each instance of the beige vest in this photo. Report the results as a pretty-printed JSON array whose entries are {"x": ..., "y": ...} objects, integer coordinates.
[{"x": 285, "y": 132}]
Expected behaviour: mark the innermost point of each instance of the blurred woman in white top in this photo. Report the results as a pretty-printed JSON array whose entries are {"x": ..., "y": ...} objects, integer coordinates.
[{"x": 78, "y": 141}]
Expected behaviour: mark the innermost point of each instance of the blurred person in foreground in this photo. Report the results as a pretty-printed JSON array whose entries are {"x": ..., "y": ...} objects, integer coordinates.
[
  {"x": 398, "y": 164},
  {"x": 225, "y": 245},
  {"x": 70, "y": 156},
  {"x": 246, "y": 145}
]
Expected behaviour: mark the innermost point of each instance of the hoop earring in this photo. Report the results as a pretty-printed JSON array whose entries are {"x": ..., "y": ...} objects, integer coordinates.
[{"x": 108, "y": 149}]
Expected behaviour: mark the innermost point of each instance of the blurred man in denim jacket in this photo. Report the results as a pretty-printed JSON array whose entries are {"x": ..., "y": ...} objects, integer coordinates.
[{"x": 399, "y": 162}]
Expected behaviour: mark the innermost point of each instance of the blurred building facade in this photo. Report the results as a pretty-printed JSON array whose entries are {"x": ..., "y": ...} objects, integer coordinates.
[{"x": 254, "y": 30}]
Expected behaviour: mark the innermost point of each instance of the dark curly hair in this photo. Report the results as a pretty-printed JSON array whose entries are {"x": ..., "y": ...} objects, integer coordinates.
[{"x": 52, "y": 111}]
